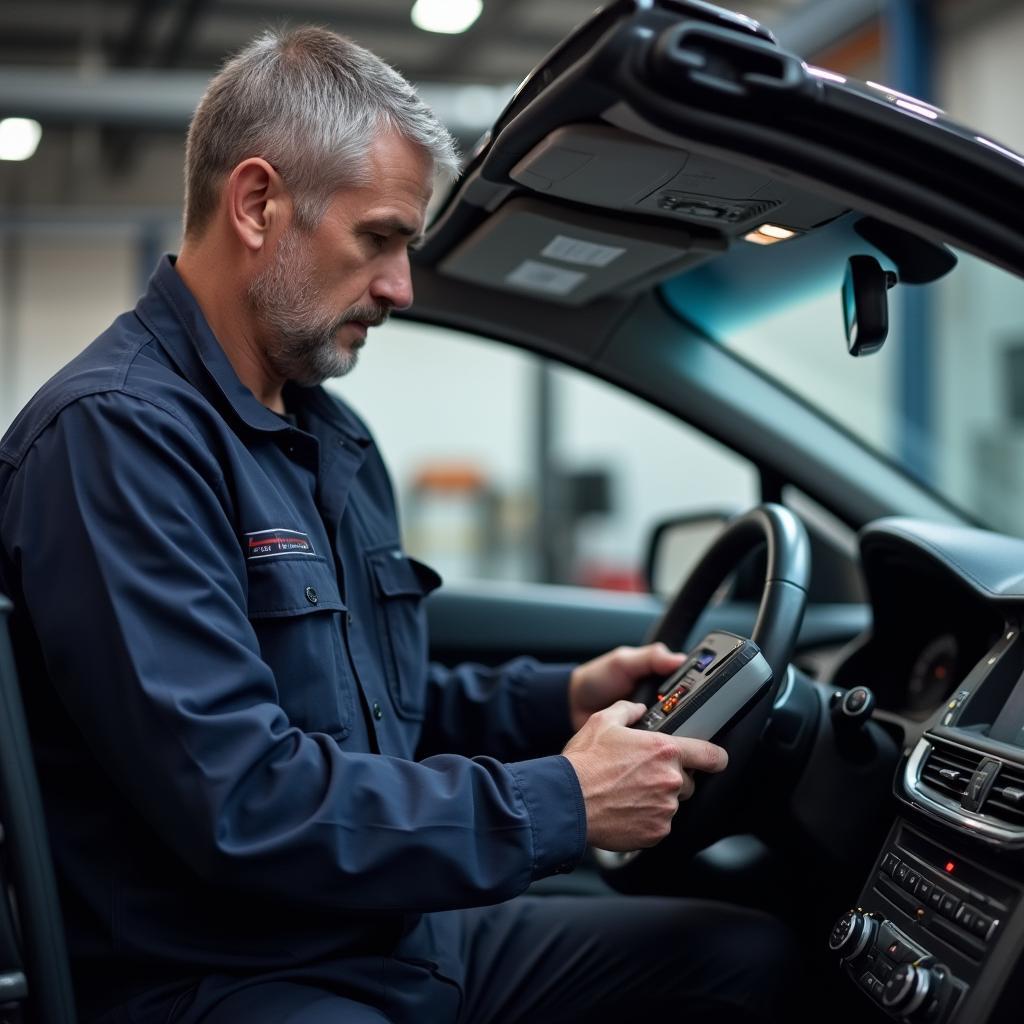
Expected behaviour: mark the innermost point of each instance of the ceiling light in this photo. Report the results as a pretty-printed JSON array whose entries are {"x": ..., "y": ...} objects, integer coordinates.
[
  {"x": 19, "y": 137},
  {"x": 769, "y": 234},
  {"x": 448, "y": 16}
]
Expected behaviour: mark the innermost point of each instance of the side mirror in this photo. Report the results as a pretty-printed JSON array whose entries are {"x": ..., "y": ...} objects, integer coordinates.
[
  {"x": 677, "y": 544},
  {"x": 866, "y": 304}
]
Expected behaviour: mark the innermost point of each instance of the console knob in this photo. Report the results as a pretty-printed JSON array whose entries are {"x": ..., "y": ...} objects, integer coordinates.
[
  {"x": 908, "y": 989},
  {"x": 852, "y": 934}
]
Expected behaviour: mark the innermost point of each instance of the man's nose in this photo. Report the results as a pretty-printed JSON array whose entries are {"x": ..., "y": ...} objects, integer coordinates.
[{"x": 394, "y": 287}]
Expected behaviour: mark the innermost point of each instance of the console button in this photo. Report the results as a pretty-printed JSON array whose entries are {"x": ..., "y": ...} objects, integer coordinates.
[
  {"x": 981, "y": 925},
  {"x": 867, "y": 981},
  {"x": 924, "y": 890},
  {"x": 935, "y": 897},
  {"x": 965, "y": 916},
  {"x": 889, "y": 863},
  {"x": 911, "y": 881},
  {"x": 892, "y": 944},
  {"x": 949, "y": 906},
  {"x": 902, "y": 870},
  {"x": 900, "y": 952}
]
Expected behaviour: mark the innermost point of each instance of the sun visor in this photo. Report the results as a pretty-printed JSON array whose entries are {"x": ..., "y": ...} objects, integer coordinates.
[{"x": 570, "y": 256}]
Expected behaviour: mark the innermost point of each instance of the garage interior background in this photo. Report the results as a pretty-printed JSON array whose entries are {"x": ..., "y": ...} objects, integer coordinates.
[{"x": 479, "y": 437}]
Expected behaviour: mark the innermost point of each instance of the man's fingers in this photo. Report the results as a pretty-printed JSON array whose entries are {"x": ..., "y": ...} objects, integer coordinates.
[
  {"x": 662, "y": 661},
  {"x": 686, "y": 790},
  {"x": 623, "y": 712},
  {"x": 699, "y": 755},
  {"x": 652, "y": 659}
]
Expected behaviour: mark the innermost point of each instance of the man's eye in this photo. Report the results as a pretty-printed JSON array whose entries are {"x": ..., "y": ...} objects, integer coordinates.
[{"x": 377, "y": 241}]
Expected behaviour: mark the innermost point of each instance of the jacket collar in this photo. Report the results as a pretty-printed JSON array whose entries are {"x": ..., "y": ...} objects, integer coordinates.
[{"x": 175, "y": 319}]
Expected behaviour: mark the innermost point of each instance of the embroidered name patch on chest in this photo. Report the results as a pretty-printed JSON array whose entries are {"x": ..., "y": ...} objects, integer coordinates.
[{"x": 270, "y": 543}]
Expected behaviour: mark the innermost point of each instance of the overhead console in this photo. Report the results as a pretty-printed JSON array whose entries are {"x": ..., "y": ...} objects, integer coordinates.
[
  {"x": 938, "y": 929},
  {"x": 563, "y": 235},
  {"x": 615, "y": 169},
  {"x": 581, "y": 194}
]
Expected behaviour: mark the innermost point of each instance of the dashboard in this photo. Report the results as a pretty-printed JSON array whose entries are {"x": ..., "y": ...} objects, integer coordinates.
[
  {"x": 937, "y": 934},
  {"x": 930, "y": 628}
]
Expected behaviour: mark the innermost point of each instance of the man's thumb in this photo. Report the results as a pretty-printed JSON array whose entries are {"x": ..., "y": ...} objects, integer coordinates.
[{"x": 623, "y": 712}]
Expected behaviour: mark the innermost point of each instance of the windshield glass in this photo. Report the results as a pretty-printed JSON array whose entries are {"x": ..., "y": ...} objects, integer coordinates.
[{"x": 944, "y": 397}]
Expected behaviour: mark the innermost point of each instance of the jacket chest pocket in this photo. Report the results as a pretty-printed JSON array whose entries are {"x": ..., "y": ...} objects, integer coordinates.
[
  {"x": 295, "y": 608},
  {"x": 400, "y": 584}
]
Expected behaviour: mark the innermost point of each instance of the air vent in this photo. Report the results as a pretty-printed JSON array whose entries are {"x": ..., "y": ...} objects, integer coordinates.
[
  {"x": 947, "y": 769},
  {"x": 978, "y": 792},
  {"x": 1005, "y": 801}
]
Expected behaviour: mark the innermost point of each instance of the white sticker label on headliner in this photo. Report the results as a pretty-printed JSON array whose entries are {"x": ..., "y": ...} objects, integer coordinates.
[
  {"x": 543, "y": 277},
  {"x": 576, "y": 250}
]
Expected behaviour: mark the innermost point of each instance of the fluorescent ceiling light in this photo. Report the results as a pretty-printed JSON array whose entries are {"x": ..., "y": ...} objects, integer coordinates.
[
  {"x": 19, "y": 137},
  {"x": 448, "y": 16}
]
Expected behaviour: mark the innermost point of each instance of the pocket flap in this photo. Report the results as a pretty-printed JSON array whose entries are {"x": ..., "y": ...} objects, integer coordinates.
[
  {"x": 281, "y": 587},
  {"x": 397, "y": 575}
]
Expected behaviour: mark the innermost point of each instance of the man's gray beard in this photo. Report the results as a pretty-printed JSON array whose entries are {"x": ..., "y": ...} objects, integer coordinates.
[{"x": 303, "y": 346}]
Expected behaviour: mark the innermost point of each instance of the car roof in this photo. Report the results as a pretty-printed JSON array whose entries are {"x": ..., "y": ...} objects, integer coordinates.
[{"x": 656, "y": 139}]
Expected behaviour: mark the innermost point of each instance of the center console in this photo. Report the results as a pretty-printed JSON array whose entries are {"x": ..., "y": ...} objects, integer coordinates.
[{"x": 937, "y": 933}]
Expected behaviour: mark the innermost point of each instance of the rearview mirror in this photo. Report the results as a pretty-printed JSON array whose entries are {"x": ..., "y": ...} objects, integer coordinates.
[{"x": 866, "y": 304}]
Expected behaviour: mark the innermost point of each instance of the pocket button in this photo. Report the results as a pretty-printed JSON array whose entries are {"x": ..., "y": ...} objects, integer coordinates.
[{"x": 312, "y": 596}]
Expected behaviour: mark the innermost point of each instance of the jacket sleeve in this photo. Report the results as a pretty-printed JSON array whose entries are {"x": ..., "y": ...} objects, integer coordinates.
[
  {"x": 119, "y": 525},
  {"x": 520, "y": 709}
]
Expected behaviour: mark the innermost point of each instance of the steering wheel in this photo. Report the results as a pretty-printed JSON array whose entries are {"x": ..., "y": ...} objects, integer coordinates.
[{"x": 707, "y": 815}]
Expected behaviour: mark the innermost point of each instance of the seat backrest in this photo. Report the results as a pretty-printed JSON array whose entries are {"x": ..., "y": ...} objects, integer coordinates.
[{"x": 34, "y": 971}]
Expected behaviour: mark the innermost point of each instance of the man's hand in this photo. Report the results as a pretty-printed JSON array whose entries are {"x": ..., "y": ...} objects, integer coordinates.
[
  {"x": 632, "y": 780},
  {"x": 597, "y": 684}
]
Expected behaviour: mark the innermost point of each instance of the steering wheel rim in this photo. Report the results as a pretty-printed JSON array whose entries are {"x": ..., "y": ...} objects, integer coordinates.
[{"x": 706, "y": 815}]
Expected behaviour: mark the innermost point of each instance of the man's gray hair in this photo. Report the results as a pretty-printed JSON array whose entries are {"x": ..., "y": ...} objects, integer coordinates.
[{"x": 310, "y": 102}]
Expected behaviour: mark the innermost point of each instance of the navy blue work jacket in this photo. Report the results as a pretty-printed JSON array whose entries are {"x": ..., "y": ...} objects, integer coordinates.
[{"x": 245, "y": 760}]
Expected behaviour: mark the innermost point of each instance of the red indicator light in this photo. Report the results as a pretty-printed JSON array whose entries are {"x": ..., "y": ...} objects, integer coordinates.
[{"x": 950, "y": 867}]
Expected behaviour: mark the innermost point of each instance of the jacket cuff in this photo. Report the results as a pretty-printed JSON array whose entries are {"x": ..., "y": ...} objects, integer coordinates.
[
  {"x": 553, "y": 798},
  {"x": 542, "y": 699}
]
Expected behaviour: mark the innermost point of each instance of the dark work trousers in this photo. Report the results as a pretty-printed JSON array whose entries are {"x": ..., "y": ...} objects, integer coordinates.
[{"x": 535, "y": 960}]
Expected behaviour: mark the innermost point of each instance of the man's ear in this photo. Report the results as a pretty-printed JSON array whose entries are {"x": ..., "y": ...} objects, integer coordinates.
[{"x": 257, "y": 201}]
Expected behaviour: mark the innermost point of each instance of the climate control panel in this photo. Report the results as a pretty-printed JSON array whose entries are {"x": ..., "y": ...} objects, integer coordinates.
[
  {"x": 907, "y": 980},
  {"x": 937, "y": 930}
]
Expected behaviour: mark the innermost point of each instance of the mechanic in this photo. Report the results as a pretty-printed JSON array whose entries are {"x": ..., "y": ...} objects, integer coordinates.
[{"x": 263, "y": 805}]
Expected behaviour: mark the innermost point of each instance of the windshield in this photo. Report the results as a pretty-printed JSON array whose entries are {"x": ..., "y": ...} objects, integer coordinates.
[{"x": 944, "y": 397}]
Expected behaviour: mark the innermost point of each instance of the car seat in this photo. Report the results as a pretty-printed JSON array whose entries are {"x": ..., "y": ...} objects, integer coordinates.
[{"x": 35, "y": 978}]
